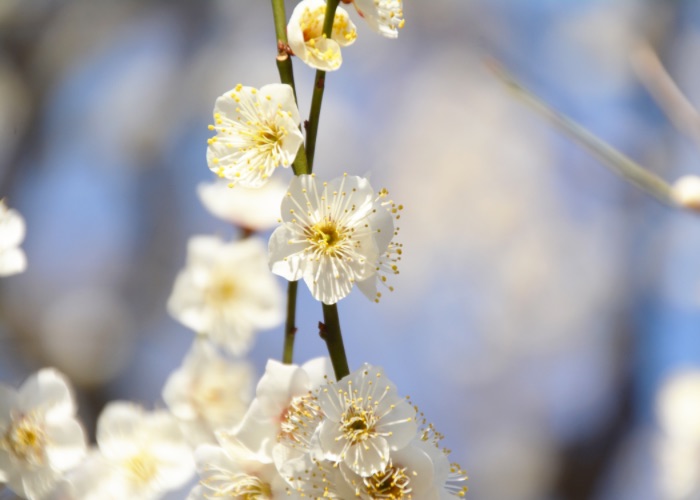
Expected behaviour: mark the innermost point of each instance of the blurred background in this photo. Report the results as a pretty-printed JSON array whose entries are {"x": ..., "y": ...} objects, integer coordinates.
[{"x": 546, "y": 318}]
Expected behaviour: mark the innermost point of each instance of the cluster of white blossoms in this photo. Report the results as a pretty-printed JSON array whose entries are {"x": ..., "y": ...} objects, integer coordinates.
[
  {"x": 301, "y": 434},
  {"x": 307, "y": 436}
]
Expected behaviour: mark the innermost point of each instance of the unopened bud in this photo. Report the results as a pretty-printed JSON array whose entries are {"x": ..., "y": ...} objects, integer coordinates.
[{"x": 686, "y": 192}]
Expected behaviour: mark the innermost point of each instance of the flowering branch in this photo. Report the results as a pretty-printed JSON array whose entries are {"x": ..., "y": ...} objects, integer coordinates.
[
  {"x": 622, "y": 165},
  {"x": 290, "y": 329},
  {"x": 300, "y": 166},
  {"x": 319, "y": 86},
  {"x": 330, "y": 332},
  {"x": 286, "y": 71}
]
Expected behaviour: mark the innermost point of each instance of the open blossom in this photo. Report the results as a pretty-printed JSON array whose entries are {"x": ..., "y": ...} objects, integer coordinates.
[
  {"x": 12, "y": 229},
  {"x": 208, "y": 392},
  {"x": 276, "y": 415},
  {"x": 142, "y": 454},
  {"x": 383, "y": 16},
  {"x": 227, "y": 471},
  {"x": 256, "y": 131},
  {"x": 365, "y": 421},
  {"x": 40, "y": 437},
  {"x": 306, "y": 39},
  {"x": 226, "y": 291},
  {"x": 255, "y": 209},
  {"x": 334, "y": 234}
]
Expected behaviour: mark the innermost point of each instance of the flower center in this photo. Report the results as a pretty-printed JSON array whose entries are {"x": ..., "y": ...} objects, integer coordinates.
[
  {"x": 391, "y": 484},
  {"x": 299, "y": 421},
  {"x": 25, "y": 440},
  {"x": 268, "y": 136},
  {"x": 142, "y": 467},
  {"x": 326, "y": 237},
  {"x": 312, "y": 23},
  {"x": 357, "y": 424},
  {"x": 240, "y": 486},
  {"x": 221, "y": 292}
]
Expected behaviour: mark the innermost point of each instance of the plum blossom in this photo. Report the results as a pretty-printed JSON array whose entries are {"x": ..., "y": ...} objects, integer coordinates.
[
  {"x": 284, "y": 409},
  {"x": 335, "y": 234},
  {"x": 227, "y": 471},
  {"x": 365, "y": 421},
  {"x": 383, "y": 16},
  {"x": 141, "y": 454},
  {"x": 306, "y": 39},
  {"x": 40, "y": 437},
  {"x": 256, "y": 131},
  {"x": 12, "y": 229},
  {"x": 208, "y": 392},
  {"x": 226, "y": 291}
]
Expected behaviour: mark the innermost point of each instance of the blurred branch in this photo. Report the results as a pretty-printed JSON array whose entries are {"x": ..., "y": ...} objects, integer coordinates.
[
  {"x": 666, "y": 93},
  {"x": 622, "y": 165}
]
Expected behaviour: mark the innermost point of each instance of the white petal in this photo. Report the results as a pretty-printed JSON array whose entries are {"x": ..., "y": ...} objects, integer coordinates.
[
  {"x": 67, "y": 444},
  {"x": 12, "y": 261},
  {"x": 117, "y": 428},
  {"x": 49, "y": 391},
  {"x": 286, "y": 257}
]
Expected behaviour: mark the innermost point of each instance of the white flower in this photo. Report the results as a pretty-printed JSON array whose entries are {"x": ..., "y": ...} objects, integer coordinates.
[
  {"x": 226, "y": 471},
  {"x": 383, "y": 16},
  {"x": 306, "y": 39},
  {"x": 686, "y": 192},
  {"x": 256, "y": 131},
  {"x": 334, "y": 234},
  {"x": 283, "y": 408},
  {"x": 255, "y": 209},
  {"x": 12, "y": 229},
  {"x": 208, "y": 392},
  {"x": 409, "y": 474},
  {"x": 40, "y": 437},
  {"x": 144, "y": 454},
  {"x": 226, "y": 291},
  {"x": 365, "y": 420}
]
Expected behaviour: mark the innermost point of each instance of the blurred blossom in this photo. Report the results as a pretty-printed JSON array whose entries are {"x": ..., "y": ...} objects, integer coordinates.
[
  {"x": 88, "y": 333},
  {"x": 226, "y": 292},
  {"x": 208, "y": 392},
  {"x": 141, "y": 455},
  {"x": 678, "y": 407},
  {"x": 12, "y": 230},
  {"x": 41, "y": 437},
  {"x": 248, "y": 208}
]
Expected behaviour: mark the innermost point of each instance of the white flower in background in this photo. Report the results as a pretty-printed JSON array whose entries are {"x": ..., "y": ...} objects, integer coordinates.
[
  {"x": 284, "y": 409},
  {"x": 365, "y": 421},
  {"x": 12, "y": 229},
  {"x": 226, "y": 291},
  {"x": 40, "y": 437},
  {"x": 383, "y": 16},
  {"x": 226, "y": 471},
  {"x": 144, "y": 454},
  {"x": 256, "y": 131},
  {"x": 686, "y": 192},
  {"x": 208, "y": 392},
  {"x": 306, "y": 39},
  {"x": 255, "y": 209},
  {"x": 334, "y": 234}
]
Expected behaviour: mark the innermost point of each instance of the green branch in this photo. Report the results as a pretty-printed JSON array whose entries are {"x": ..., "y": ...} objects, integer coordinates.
[
  {"x": 330, "y": 332},
  {"x": 319, "y": 86}
]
